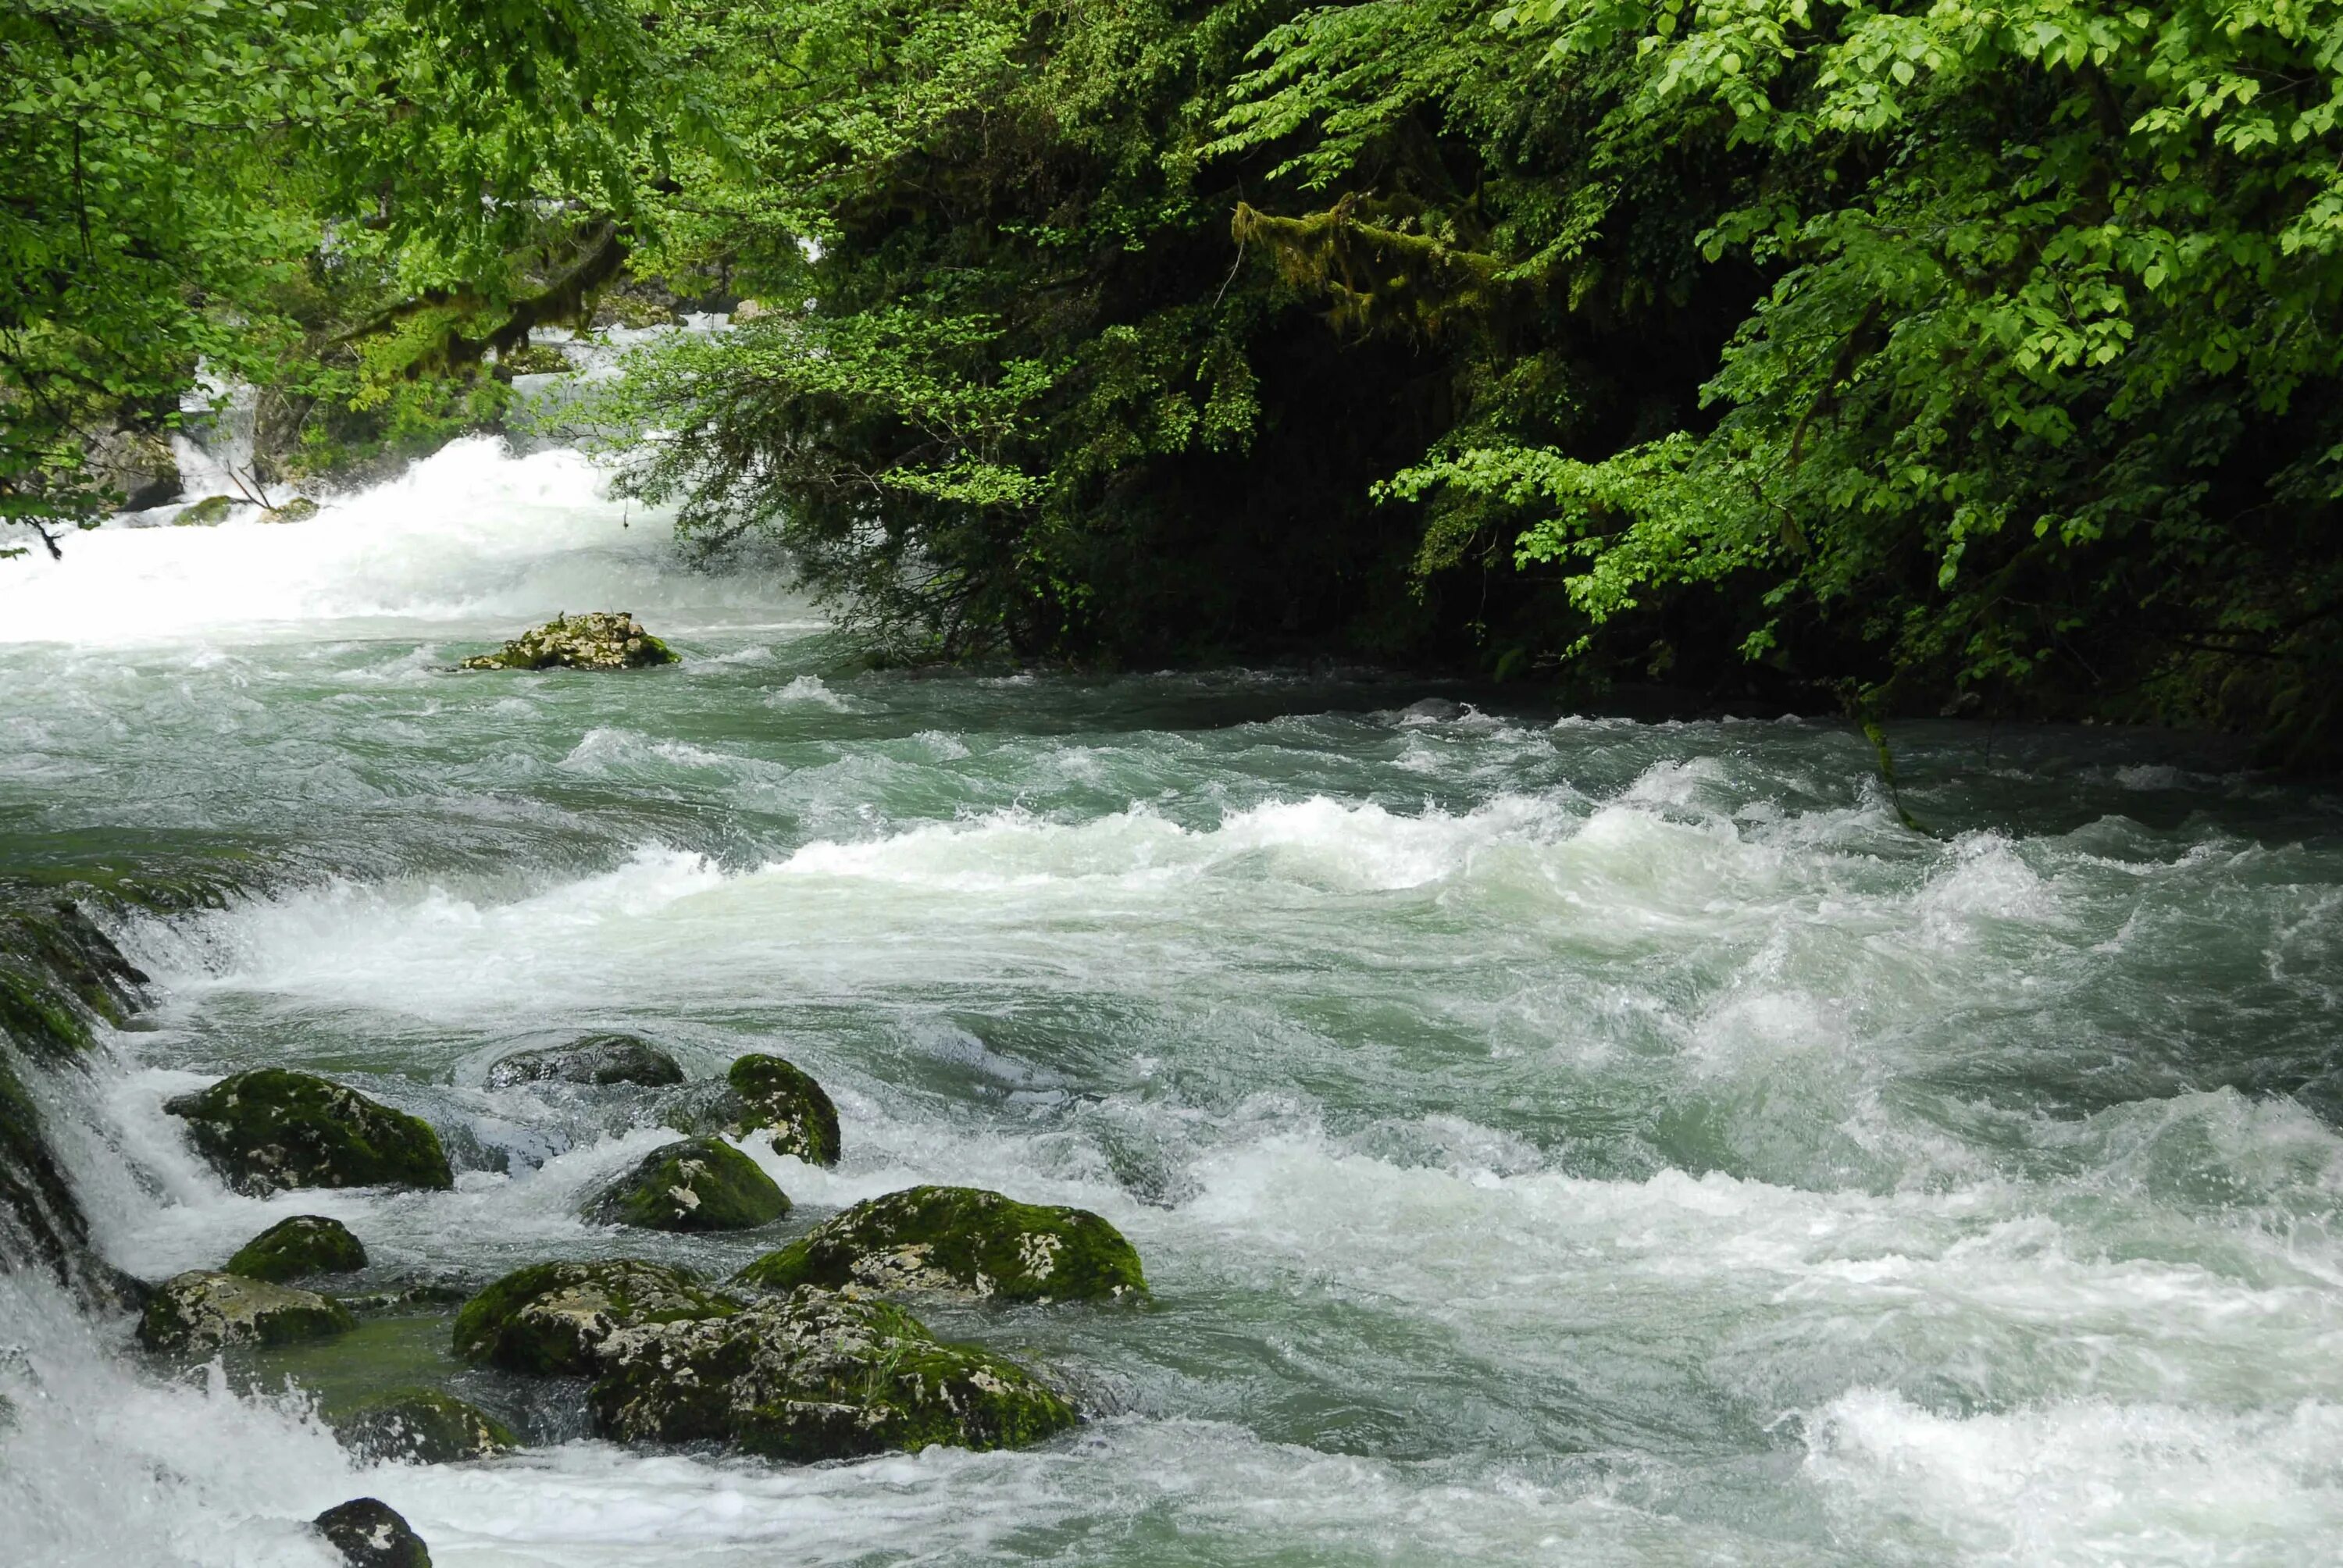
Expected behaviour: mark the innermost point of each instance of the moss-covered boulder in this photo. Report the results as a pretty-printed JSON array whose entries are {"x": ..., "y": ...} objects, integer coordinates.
[
  {"x": 298, "y": 509},
  {"x": 370, "y": 1534},
  {"x": 208, "y": 513},
  {"x": 696, "y": 1184},
  {"x": 766, "y": 1097},
  {"x": 204, "y": 1310},
  {"x": 816, "y": 1375},
  {"x": 422, "y": 1426},
  {"x": 297, "y": 1247},
  {"x": 598, "y": 1060},
  {"x": 555, "y": 1317},
  {"x": 272, "y": 1129},
  {"x": 602, "y": 640},
  {"x": 958, "y": 1242}
]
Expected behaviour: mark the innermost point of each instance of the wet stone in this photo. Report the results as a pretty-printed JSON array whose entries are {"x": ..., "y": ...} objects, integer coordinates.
[
  {"x": 958, "y": 1242},
  {"x": 298, "y": 1247},
  {"x": 816, "y": 1375},
  {"x": 272, "y": 1129},
  {"x": 370, "y": 1534},
  {"x": 696, "y": 1184},
  {"x": 551, "y": 1319},
  {"x": 206, "y": 1310},
  {"x": 596, "y": 1060},
  {"x": 423, "y": 1426},
  {"x": 611, "y": 639},
  {"x": 764, "y": 1097}
]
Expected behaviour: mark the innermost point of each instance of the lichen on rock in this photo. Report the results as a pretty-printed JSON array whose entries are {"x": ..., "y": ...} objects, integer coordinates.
[
  {"x": 816, "y": 1375},
  {"x": 205, "y": 1310},
  {"x": 271, "y": 1130},
  {"x": 598, "y": 1060},
  {"x": 370, "y": 1534},
  {"x": 297, "y": 1247},
  {"x": 610, "y": 640},
  {"x": 960, "y": 1241},
  {"x": 555, "y": 1317},
  {"x": 423, "y": 1426},
  {"x": 694, "y": 1184},
  {"x": 764, "y": 1096}
]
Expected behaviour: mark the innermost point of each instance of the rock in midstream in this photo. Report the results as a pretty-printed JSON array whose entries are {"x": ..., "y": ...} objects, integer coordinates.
[
  {"x": 204, "y": 1311},
  {"x": 603, "y": 639},
  {"x": 271, "y": 1130},
  {"x": 555, "y": 1317},
  {"x": 297, "y": 1247},
  {"x": 816, "y": 1375},
  {"x": 960, "y": 1241},
  {"x": 598, "y": 1060},
  {"x": 370, "y": 1534},
  {"x": 695, "y": 1185},
  {"x": 766, "y": 1096},
  {"x": 422, "y": 1426}
]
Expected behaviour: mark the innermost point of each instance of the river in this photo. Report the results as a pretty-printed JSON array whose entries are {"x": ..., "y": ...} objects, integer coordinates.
[{"x": 1551, "y": 1139}]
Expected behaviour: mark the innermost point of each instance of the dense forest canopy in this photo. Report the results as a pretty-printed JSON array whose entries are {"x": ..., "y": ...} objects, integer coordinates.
[{"x": 1913, "y": 356}]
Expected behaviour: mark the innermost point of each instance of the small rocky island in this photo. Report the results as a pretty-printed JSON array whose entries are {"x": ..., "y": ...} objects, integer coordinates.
[{"x": 601, "y": 639}]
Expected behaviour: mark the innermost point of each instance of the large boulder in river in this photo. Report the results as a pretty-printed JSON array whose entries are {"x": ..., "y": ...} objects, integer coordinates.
[
  {"x": 555, "y": 1317},
  {"x": 297, "y": 1247},
  {"x": 601, "y": 640},
  {"x": 816, "y": 1375},
  {"x": 597, "y": 1060},
  {"x": 958, "y": 1242},
  {"x": 370, "y": 1534},
  {"x": 695, "y": 1185},
  {"x": 204, "y": 1311},
  {"x": 422, "y": 1426},
  {"x": 767, "y": 1097},
  {"x": 270, "y": 1129}
]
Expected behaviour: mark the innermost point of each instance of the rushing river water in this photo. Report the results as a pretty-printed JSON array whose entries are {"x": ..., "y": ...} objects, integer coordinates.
[{"x": 1552, "y": 1140}]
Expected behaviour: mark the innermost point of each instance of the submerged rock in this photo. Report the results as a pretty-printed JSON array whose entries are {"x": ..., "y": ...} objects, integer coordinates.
[
  {"x": 204, "y": 1310},
  {"x": 271, "y": 1130},
  {"x": 958, "y": 1242},
  {"x": 296, "y": 1248},
  {"x": 764, "y": 1095},
  {"x": 423, "y": 1426},
  {"x": 555, "y": 1317},
  {"x": 603, "y": 640},
  {"x": 596, "y": 1059},
  {"x": 370, "y": 1534},
  {"x": 816, "y": 1375},
  {"x": 696, "y": 1184}
]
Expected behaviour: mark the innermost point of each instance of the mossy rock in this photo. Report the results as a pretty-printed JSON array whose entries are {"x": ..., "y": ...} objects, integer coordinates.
[
  {"x": 611, "y": 639},
  {"x": 204, "y": 1310},
  {"x": 599, "y": 1060},
  {"x": 769, "y": 1097},
  {"x": 208, "y": 513},
  {"x": 816, "y": 1375},
  {"x": 696, "y": 1184},
  {"x": 555, "y": 1317},
  {"x": 299, "y": 509},
  {"x": 297, "y": 1247},
  {"x": 958, "y": 1242},
  {"x": 423, "y": 1426},
  {"x": 271, "y": 1130},
  {"x": 534, "y": 359},
  {"x": 370, "y": 1534}
]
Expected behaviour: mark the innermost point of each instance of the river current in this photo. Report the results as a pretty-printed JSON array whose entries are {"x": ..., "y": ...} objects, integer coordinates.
[{"x": 1551, "y": 1139}]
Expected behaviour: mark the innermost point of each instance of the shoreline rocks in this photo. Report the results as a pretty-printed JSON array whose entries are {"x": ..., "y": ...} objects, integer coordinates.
[
  {"x": 595, "y": 1060},
  {"x": 297, "y": 1247},
  {"x": 958, "y": 1241},
  {"x": 206, "y": 1310},
  {"x": 611, "y": 640},
  {"x": 816, "y": 1375},
  {"x": 694, "y": 1184},
  {"x": 555, "y": 1317},
  {"x": 271, "y": 1130}
]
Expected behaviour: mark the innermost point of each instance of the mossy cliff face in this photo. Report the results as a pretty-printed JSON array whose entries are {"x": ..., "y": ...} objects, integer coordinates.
[
  {"x": 297, "y": 1247},
  {"x": 602, "y": 640},
  {"x": 204, "y": 1311},
  {"x": 697, "y": 1184},
  {"x": 423, "y": 1426},
  {"x": 597, "y": 1060},
  {"x": 59, "y": 977},
  {"x": 271, "y": 1130},
  {"x": 555, "y": 1318},
  {"x": 815, "y": 1375},
  {"x": 958, "y": 1242}
]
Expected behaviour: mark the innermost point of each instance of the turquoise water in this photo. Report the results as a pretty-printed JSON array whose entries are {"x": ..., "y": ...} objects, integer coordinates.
[{"x": 1552, "y": 1139}]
